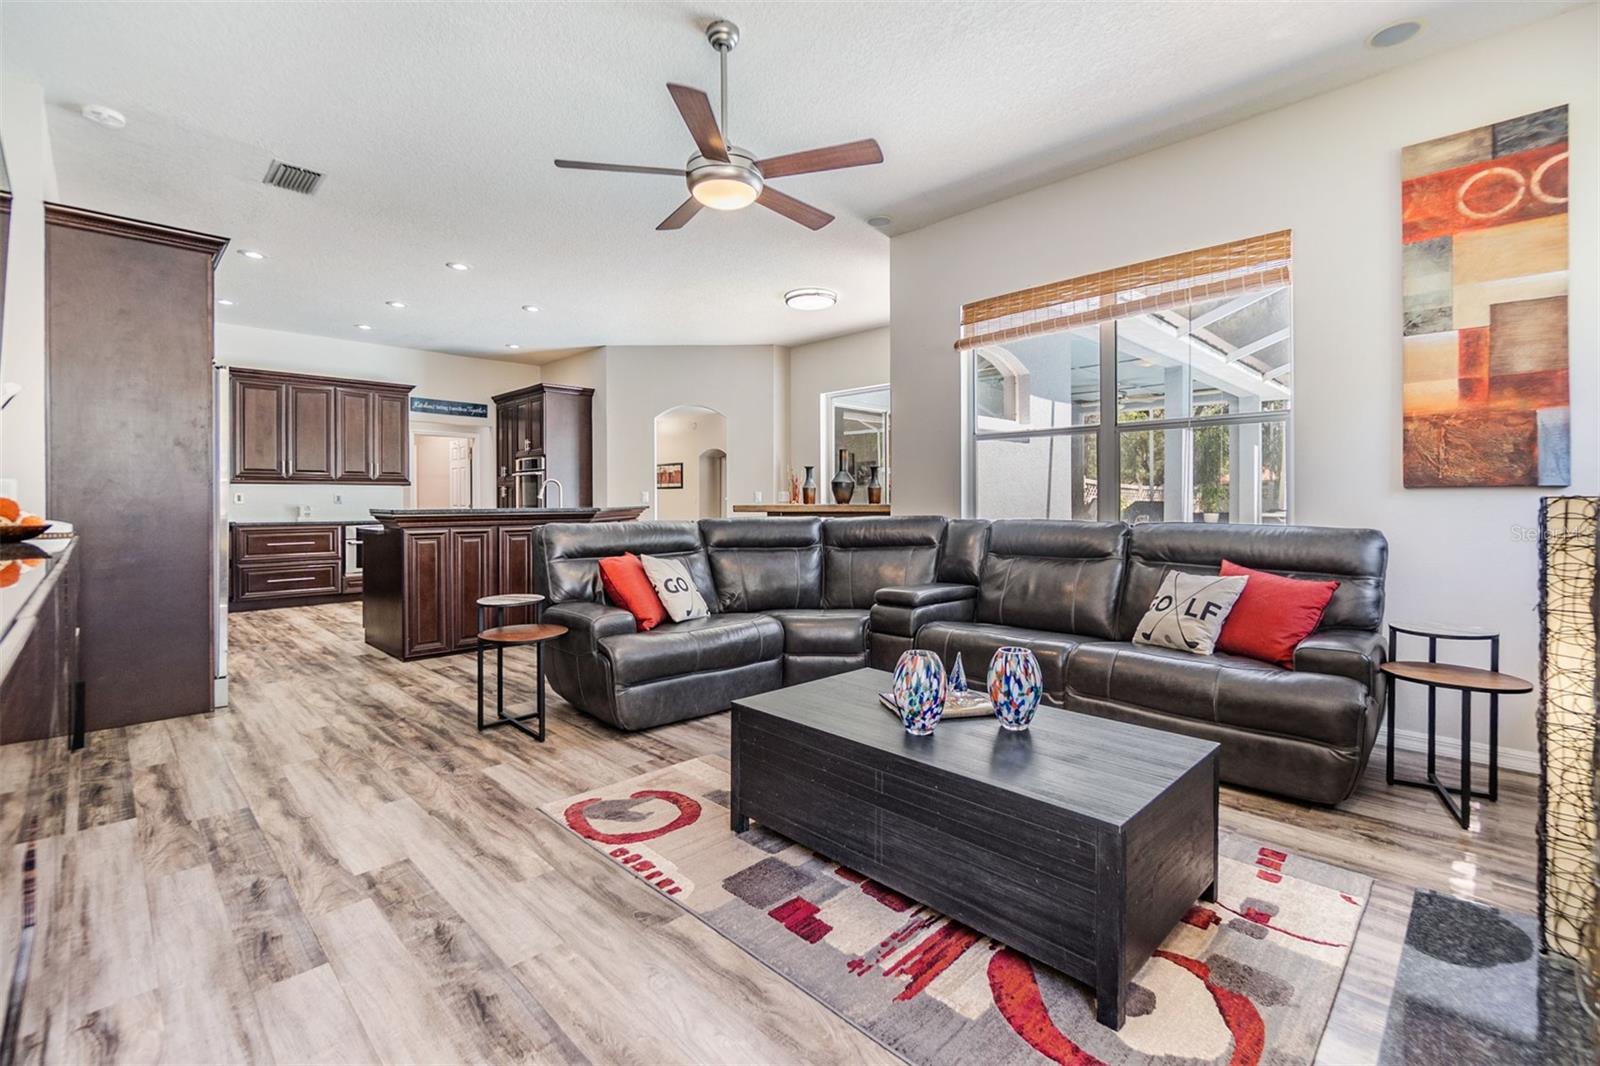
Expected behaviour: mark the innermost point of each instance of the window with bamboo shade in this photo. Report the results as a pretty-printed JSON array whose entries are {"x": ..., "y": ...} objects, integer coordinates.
[
  {"x": 1157, "y": 391},
  {"x": 1228, "y": 269}
]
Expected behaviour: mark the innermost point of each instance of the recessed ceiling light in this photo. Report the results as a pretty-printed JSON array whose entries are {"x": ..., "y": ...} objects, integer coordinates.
[
  {"x": 1398, "y": 33},
  {"x": 810, "y": 299},
  {"x": 513, "y": 347},
  {"x": 457, "y": 266},
  {"x": 251, "y": 253},
  {"x": 532, "y": 310},
  {"x": 224, "y": 303},
  {"x": 879, "y": 221},
  {"x": 362, "y": 326},
  {"x": 108, "y": 117},
  {"x": 396, "y": 304}
]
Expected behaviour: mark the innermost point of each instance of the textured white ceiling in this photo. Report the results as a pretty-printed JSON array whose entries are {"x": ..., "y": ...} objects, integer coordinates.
[{"x": 436, "y": 125}]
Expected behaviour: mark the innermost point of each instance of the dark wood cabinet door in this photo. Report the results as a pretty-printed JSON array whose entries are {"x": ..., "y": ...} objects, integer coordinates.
[
  {"x": 353, "y": 457},
  {"x": 515, "y": 565},
  {"x": 390, "y": 446},
  {"x": 533, "y": 424},
  {"x": 260, "y": 429},
  {"x": 427, "y": 583},
  {"x": 503, "y": 447},
  {"x": 311, "y": 436},
  {"x": 472, "y": 575}
]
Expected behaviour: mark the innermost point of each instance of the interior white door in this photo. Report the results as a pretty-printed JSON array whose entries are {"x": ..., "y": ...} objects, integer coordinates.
[{"x": 460, "y": 472}]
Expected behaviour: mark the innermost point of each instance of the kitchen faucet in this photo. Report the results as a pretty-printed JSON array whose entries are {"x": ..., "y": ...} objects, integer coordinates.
[{"x": 560, "y": 495}]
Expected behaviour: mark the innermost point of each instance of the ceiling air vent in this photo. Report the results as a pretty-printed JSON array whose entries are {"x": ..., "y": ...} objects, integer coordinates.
[{"x": 295, "y": 179}]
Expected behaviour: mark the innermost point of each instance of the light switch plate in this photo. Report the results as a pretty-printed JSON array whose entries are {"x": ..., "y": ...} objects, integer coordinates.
[
  {"x": 644, "y": 495},
  {"x": 758, "y": 497},
  {"x": 238, "y": 497}
]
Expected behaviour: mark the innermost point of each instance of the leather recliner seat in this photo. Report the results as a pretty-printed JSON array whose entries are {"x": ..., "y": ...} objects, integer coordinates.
[{"x": 793, "y": 600}]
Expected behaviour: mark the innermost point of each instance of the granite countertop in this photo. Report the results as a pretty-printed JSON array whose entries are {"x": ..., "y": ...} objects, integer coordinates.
[
  {"x": 36, "y": 563},
  {"x": 347, "y": 520}
]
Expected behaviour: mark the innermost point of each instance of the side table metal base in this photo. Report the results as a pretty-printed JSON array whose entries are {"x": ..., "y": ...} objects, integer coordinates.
[{"x": 501, "y": 718}]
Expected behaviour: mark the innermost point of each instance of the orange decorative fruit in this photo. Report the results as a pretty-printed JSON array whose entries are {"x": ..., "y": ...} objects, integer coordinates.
[
  {"x": 10, "y": 574},
  {"x": 32, "y": 521},
  {"x": 9, "y": 509}
]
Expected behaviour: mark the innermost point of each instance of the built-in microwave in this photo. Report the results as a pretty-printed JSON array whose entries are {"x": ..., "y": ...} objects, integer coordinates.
[{"x": 527, "y": 472}]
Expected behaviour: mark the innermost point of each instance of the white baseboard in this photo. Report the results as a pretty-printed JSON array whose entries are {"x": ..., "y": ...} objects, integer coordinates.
[{"x": 1450, "y": 747}]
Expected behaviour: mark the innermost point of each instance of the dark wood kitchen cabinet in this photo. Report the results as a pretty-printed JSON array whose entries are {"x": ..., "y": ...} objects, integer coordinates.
[
  {"x": 555, "y": 422},
  {"x": 300, "y": 428},
  {"x": 285, "y": 565},
  {"x": 443, "y": 574},
  {"x": 129, "y": 443}
]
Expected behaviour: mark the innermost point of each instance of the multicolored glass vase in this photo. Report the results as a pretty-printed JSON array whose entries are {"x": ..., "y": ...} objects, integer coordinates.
[
  {"x": 1015, "y": 686},
  {"x": 919, "y": 691}
]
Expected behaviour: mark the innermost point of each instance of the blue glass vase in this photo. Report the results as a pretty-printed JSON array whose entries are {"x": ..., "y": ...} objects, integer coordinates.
[
  {"x": 1015, "y": 686},
  {"x": 958, "y": 677},
  {"x": 919, "y": 691}
]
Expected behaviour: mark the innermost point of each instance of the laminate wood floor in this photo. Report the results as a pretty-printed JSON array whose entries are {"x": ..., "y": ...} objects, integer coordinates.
[{"x": 340, "y": 868}]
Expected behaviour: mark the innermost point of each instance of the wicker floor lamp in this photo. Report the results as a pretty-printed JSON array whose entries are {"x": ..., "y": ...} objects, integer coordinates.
[{"x": 1569, "y": 705}]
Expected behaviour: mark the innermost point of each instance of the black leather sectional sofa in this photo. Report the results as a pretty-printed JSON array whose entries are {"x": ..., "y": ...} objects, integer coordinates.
[{"x": 794, "y": 599}]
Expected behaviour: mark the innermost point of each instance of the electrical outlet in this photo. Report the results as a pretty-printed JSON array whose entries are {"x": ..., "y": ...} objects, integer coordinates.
[
  {"x": 238, "y": 497},
  {"x": 338, "y": 498},
  {"x": 644, "y": 495},
  {"x": 758, "y": 497}
]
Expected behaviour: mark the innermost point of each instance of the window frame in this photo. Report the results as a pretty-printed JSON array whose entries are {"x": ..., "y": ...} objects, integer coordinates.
[{"x": 1109, "y": 428}]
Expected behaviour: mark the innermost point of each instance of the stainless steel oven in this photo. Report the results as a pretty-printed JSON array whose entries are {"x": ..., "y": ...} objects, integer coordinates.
[{"x": 527, "y": 472}]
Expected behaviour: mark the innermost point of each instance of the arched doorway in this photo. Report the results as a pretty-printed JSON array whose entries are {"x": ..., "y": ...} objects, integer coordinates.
[
  {"x": 713, "y": 483},
  {"x": 691, "y": 444}
]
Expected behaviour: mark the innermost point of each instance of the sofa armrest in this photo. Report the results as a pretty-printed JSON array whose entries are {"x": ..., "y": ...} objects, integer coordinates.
[
  {"x": 896, "y": 621},
  {"x": 588, "y": 623},
  {"x": 925, "y": 595},
  {"x": 1353, "y": 653}
]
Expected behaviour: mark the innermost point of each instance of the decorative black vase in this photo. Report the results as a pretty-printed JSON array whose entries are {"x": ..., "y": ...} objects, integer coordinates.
[
  {"x": 844, "y": 484},
  {"x": 808, "y": 491},
  {"x": 874, "y": 486}
]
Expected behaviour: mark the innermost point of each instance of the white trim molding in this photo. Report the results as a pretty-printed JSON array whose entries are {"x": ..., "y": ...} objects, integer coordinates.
[{"x": 1517, "y": 759}]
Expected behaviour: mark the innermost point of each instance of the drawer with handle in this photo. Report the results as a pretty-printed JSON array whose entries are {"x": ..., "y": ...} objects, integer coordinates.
[
  {"x": 287, "y": 542},
  {"x": 298, "y": 579}
]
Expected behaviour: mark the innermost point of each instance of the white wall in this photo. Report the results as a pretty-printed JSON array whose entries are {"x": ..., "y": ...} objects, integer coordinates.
[
  {"x": 435, "y": 375},
  {"x": 680, "y": 438},
  {"x": 1329, "y": 169},
  {"x": 26, "y": 142},
  {"x": 853, "y": 361},
  {"x": 748, "y": 384}
]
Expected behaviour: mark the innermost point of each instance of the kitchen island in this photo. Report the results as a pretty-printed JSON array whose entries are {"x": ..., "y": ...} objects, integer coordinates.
[{"x": 425, "y": 570}]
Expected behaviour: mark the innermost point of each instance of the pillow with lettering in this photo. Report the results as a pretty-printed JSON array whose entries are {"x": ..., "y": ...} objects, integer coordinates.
[
  {"x": 675, "y": 588},
  {"x": 1188, "y": 611}
]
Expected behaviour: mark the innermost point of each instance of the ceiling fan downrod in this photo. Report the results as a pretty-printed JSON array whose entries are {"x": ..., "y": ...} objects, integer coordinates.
[{"x": 723, "y": 35}]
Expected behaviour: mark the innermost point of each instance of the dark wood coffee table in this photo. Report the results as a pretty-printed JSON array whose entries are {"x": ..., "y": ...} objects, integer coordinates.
[{"x": 1080, "y": 842}]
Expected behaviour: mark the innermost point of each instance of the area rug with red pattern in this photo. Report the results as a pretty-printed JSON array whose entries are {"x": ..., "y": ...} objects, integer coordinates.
[{"x": 1248, "y": 979}]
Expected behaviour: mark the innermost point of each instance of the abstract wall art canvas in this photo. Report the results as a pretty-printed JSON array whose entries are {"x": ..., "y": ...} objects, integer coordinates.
[{"x": 1484, "y": 269}]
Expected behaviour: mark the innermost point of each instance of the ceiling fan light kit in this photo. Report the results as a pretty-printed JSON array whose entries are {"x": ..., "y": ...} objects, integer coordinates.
[{"x": 723, "y": 176}]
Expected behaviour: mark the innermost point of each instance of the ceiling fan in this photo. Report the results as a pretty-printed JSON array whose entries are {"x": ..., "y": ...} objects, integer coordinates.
[{"x": 724, "y": 176}]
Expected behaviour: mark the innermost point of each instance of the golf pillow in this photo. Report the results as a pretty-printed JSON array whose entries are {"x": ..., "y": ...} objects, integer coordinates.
[
  {"x": 675, "y": 588},
  {"x": 1188, "y": 611}
]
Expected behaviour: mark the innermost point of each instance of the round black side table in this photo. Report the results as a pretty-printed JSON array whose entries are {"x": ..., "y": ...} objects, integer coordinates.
[{"x": 1466, "y": 680}]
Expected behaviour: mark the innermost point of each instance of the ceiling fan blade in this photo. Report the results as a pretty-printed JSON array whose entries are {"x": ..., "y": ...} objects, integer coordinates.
[
  {"x": 835, "y": 157},
  {"x": 787, "y": 206},
  {"x": 620, "y": 168},
  {"x": 686, "y": 210},
  {"x": 695, "y": 107}
]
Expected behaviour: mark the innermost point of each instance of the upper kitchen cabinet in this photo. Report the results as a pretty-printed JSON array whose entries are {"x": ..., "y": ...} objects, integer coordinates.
[
  {"x": 555, "y": 423},
  {"x": 305, "y": 429}
]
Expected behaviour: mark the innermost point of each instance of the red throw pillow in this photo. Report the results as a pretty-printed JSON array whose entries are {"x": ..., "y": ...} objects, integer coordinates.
[
  {"x": 1273, "y": 614},
  {"x": 627, "y": 586}
]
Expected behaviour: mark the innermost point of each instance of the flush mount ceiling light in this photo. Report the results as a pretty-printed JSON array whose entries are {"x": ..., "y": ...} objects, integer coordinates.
[
  {"x": 513, "y": 347},
  {"x": 398, "y": 305},
  {"x": 453, "y": 265},
  {"x": 101, "y": 115},
  {"x": 532, "y": 310},
  {"x": 1397, "y": 33},
  {"x": 362, "y": 326},
  {"x": 810, "y": 299},
  {"x": 251, "y": 253},
  {"x": 224, "y": 303},
  {"x": 725, "y": 177},
  {"x": 879, "y": 221}
]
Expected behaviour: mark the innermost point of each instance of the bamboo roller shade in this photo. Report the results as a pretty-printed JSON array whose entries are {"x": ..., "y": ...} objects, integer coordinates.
[{"x": 1203, "y": 274}]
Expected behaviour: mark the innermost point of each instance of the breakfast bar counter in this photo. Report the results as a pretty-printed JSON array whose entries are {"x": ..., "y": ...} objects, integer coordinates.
[{"x": 425, "y": 570}]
